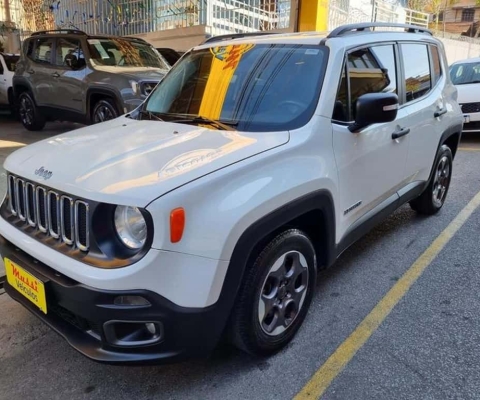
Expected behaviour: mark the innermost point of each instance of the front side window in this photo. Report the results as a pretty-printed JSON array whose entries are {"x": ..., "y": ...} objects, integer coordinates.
[
  {"x": 119, "y": 52},
  {"x": 255, "y": 87},
  {"x": 69, "y": 53},
  {"x": 369, "y": 70},
  {"x": 465, "y": 73},
  {"x": 417, "y": 70}
]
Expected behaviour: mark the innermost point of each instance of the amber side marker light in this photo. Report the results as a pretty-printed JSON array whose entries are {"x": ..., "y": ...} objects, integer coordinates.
[{"x": 177, "y": 224}]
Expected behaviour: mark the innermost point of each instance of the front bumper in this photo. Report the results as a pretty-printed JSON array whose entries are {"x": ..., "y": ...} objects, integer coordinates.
[
  {"x": 473, "y": 124},
  {"x": 82, "y": 315}
]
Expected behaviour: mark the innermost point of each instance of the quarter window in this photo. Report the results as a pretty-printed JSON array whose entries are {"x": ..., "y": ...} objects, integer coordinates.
[
  {"x": 369, "y": 70},
  {"x": 436, "y": 65},
  {"x": 1, "y": 69},
  {"x": 417, "y": 70}
]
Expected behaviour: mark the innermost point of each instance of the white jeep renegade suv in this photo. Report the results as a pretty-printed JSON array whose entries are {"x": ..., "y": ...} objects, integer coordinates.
[{"x": 208, "y": 210}]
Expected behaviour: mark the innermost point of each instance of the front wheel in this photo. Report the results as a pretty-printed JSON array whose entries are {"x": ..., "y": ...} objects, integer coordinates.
[
  {"x": 104, "y": 110},
  {"x": 275, "y": 295},
  {"x": 433, "y": 197}
]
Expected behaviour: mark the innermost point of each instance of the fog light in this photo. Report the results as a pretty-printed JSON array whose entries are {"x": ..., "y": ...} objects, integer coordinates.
[
  {"x": 130, "y": 301},
  {"x": 151, "y": 328},
  {"x": 133, "y": 333}
]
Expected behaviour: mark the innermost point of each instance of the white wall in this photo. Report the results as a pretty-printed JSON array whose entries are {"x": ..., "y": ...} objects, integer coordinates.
[{"x": 458, "y": 50}]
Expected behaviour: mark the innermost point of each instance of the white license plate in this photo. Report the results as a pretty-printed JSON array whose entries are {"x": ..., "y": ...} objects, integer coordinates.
[{"x": 466, "y": 119}]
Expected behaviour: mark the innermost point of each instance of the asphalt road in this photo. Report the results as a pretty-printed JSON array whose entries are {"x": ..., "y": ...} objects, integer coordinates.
[{"x": 427, "y": 347}]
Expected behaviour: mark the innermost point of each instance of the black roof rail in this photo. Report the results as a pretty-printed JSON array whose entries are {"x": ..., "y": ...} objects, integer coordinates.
[
  {"x": 345, "y": 29},
  {"x": 59, "y": 31},
  {"x": 236, "y": 36}
]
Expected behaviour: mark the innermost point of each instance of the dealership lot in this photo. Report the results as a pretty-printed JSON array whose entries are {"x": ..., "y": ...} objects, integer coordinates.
[{"x": 426, "y": 347}]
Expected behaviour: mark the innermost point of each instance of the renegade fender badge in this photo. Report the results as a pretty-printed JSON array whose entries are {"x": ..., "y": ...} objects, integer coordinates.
[{"x": 43, "y": 173}]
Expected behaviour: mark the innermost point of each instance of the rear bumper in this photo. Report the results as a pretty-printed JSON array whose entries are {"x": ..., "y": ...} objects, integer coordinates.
[{"x": 83, "y": 315}]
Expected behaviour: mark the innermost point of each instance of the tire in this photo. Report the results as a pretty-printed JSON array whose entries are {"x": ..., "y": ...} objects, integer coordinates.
[
  {"x": 434, "y": 195},
  {"x": 104, "y": 110},
  {"x": 288, "y": 255},
  {"x": 29, "y": 113}
]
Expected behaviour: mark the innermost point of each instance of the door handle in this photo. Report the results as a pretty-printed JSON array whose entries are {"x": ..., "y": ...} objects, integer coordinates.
[
  {"x": 439, "y": 113},
  {"x": 56, "y": 75},
  {"x": 400, "y": 133},
  {"x": 31, "y": 71}
]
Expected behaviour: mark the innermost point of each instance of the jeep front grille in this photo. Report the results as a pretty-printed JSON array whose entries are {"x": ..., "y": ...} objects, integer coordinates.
[{"x": 58, "y": 216}]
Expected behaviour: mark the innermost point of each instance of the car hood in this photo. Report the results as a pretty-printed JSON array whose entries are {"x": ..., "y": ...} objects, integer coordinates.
[
  {"x": 468, "y": 93},
  {"x": 136, "y": 73},
  {"x": 132, "y": 162}
]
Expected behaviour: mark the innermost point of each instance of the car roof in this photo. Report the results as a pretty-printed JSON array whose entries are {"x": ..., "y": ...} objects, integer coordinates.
[{"x": 350, "y": 33}]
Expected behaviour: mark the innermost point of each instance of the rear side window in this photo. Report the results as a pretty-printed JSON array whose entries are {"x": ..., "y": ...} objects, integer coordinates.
[
  {"x": 369, "y": 70},
  {"x": 436, "y": 65},
  {"x": 417, "y": 70},
  {"x": 43, "y": 51}
]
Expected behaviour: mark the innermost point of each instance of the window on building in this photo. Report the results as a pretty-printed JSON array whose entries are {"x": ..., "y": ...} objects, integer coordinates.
[
  {"x": 440, "y": 16},
  {"x": 468, "y": 14},
  {"x": 370, "y": 70},
  {"x": 417, "y": 74}
]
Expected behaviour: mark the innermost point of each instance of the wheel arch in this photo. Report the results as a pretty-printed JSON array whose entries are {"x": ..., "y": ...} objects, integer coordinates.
[
  {"x": 307, "y": 213},
  {"x": 95, "y": 94}
]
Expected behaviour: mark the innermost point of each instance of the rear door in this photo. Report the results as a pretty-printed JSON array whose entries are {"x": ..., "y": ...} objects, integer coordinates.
[
  {"x": 423, "y": 79},
  {"x": 3, "y": 82},
  {"x": 370, "y": 163},
  {"x": 40, "y": 71},
  {"x": 69, "y": 90}
]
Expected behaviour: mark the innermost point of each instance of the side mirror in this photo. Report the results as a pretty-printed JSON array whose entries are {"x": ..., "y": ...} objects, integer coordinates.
[{"x": 374, "y": 108}]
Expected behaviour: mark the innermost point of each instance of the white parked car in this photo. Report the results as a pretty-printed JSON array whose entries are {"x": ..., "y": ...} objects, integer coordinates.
[
  {"x": 7, "y": 69},
  {"x": 208, "y": 210},
  {"x": 465, "y": 76}
]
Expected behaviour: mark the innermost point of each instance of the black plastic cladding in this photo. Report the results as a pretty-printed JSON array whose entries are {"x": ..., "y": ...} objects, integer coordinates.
[{"x": 106, "y": 249}]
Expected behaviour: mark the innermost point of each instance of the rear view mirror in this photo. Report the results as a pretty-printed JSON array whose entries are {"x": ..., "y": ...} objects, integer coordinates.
[{"x": 374, "y": 108}]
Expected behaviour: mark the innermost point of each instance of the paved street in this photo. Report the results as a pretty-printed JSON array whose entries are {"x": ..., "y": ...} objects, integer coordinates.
[{"x": 427, "y": 347}]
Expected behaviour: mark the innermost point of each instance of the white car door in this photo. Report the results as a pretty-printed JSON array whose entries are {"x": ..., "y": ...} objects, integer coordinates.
[
  {"x": 427, "y": 106},
  {"x": 3, "y": 82},
  {"x": 370, "y": 163}
]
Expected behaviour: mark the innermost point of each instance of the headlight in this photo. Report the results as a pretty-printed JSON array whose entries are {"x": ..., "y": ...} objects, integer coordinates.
[
  {"x": 135, "y": 87},
  {"x": 131, "y": 227}
]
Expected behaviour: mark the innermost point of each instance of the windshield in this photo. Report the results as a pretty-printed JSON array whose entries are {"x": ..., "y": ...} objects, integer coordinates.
[
  {"x": 124, "y": 53},
  {"x": 252, "y": 87},
  {"x": 11, "y": 61},
  {"x": 463, "y": 74}
]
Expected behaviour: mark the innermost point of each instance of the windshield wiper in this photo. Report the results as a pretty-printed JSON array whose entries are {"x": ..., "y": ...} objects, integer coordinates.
[
  {"x": 150, "y": 115},
  {"x": 223, "y": 125}
]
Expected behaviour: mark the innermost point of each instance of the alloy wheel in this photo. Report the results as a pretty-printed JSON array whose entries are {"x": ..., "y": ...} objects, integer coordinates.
[
  {"x": 283, "y": 293},
  {"x": 441, "y": 181}
]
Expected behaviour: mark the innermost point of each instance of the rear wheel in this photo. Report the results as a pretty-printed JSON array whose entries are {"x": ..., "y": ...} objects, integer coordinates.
[
  {"x": 104, "y": 110},
  {"x": 433, "y": 197},
  {"x": 29, "y": 113},
  {"x": 275, "y": 296}
]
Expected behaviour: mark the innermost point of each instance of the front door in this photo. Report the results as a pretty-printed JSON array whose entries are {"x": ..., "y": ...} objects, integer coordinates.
[
  {"x": 70, "y": 69},
  {"x": 370, "y": 163}
]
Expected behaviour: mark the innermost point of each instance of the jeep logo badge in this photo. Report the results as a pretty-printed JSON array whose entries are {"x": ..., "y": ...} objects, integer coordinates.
[{"x": 44, "y": 173}]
